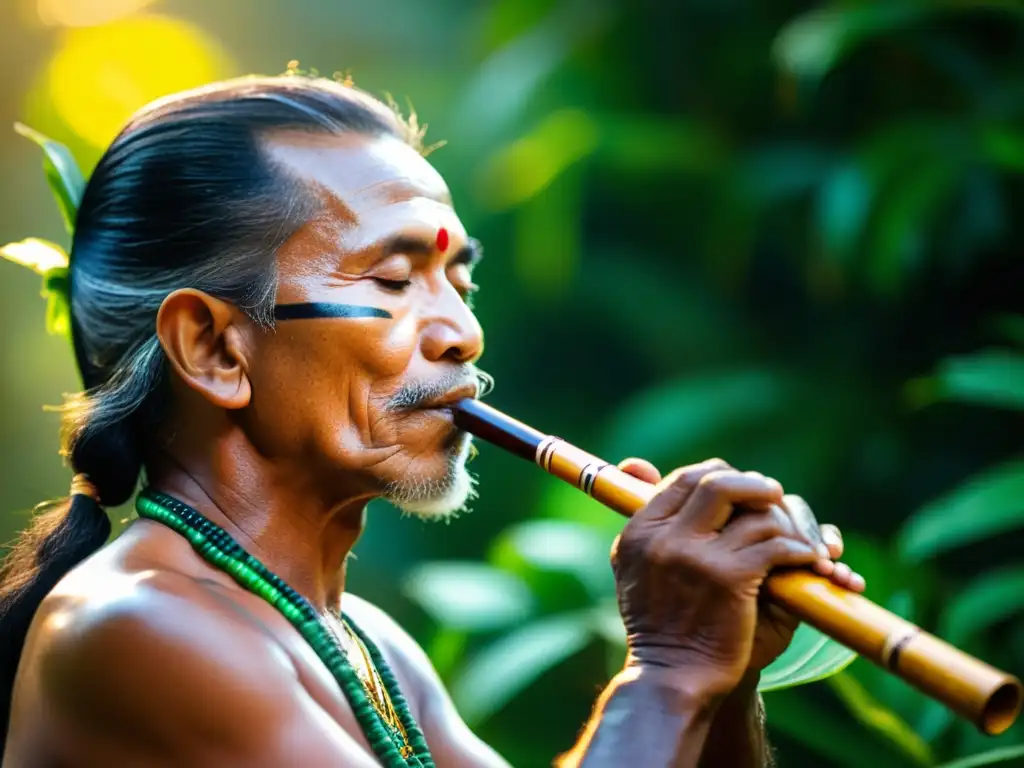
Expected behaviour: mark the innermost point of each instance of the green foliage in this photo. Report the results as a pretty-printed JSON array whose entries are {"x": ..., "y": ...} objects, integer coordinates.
[
  {"x": 809, "y": 658},
  {"x": 805, "y": 311},
  {"x": 986, "y": 505},
  {"x": 48, "y": 259},
  {"x": 781, "y": 233},
  {"x": 62, "y": 174}
]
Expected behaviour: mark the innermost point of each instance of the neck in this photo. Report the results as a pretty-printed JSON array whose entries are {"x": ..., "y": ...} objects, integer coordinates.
[{"x": 295, "y": 532}]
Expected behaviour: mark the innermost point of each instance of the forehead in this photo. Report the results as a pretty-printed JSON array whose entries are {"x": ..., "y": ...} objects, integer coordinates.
[{"x": 364, "y": 178}]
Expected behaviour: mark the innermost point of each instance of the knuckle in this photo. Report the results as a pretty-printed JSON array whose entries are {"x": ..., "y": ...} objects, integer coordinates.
[
  {"x": 716, "y": 481},
  {"x": 715, "y": 464},
  {"x": 682, "y": 478}
]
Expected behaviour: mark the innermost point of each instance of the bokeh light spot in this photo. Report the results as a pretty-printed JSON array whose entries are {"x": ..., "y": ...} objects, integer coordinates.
[
  {"x": 102, "y": 75},
  {"x": 85, "y": 13}
]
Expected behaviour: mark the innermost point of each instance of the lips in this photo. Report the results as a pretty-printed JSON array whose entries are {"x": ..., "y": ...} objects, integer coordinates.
[{"x": 450, "y": 398}]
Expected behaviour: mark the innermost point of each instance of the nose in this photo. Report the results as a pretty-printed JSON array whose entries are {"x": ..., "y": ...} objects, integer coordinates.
[{"x": 452, "y": 333}]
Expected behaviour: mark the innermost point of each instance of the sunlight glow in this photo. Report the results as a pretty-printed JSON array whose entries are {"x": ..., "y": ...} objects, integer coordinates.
[
  {"x": 101, "y": 75},
  {"x": 86, "y": 13}
]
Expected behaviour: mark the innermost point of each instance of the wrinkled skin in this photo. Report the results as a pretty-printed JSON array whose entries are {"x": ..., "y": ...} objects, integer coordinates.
[{"x": 146, "y": 655}]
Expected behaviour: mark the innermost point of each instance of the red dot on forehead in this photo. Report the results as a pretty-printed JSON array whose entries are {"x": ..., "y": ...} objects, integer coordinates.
[{"x": 442, "y": 239}]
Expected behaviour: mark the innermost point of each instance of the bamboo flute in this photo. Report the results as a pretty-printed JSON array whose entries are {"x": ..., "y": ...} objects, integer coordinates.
[{"x": 988, "y": 697}]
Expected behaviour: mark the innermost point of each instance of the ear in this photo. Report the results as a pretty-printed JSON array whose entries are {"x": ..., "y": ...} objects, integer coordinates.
[{"x": 204, "y": 340}]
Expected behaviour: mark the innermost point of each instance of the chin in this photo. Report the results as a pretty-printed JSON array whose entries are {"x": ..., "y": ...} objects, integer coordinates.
[{"x": 442, "y": 496}]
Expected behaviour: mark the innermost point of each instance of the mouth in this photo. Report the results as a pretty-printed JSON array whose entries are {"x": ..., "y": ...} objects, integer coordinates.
[{"x": 445, "y": 403}]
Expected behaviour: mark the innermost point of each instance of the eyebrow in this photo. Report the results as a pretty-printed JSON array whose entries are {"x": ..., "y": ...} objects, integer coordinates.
[{"x": 470, "y": 254}]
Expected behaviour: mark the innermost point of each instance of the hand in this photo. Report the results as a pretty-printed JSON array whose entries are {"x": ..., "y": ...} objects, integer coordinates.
[{"x": 688, "y": 582}]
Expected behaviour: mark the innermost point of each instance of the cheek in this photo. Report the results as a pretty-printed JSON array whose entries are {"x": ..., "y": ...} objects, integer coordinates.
[
  {"x": 310, "y": 383},
  {"x": 390, "y": 351}
]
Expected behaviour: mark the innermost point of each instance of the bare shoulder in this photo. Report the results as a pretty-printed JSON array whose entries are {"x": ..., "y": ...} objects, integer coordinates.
[
  {"x": 157, "y": 663},
  {"x": 147, "y": 644}
]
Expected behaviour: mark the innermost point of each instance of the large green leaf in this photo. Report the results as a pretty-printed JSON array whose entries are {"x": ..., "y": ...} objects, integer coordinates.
[
  {"x": 500, "y": 671},
  {"x": 988, "y": 504},
  {"x": 810, "y": 657},
  {"x": 1013, "y": 755},
  {"x": 881, "y": 719},
  {"x": 62, "y": 172},
  {"x": 469, "y": 596},
  {"x": 993, "y": 377},
  {"x": 989, "y": 599}
]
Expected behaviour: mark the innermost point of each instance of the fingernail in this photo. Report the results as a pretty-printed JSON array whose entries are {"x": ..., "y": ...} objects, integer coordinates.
[
  {"x": 823, "y": 552},
  {"x": 857, "y": 581}
]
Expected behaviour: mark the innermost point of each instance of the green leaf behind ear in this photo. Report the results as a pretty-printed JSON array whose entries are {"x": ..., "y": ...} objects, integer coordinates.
[
  {"x": 811, "y": 656},
  {"x": 51, "y": 262},
  {"x": 62, "y": 172}
]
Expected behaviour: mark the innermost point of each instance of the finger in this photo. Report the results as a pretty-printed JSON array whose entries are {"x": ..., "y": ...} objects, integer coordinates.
[
  {"x": 676, "y": 487},
  {"x": 805, "y": 521},
  {"x": 780, "y": 552},
  {"x": 754, "y": 526},
  {"x": 833, "y": 539},
  {"x": 843, "y": 576},
  {"x": 711, "y": 504},
  {"x": 824, "y": 567},
  {"x": 641, "y": 469}
]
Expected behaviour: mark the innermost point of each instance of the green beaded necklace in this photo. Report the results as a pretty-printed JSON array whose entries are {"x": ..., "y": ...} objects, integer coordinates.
[{"x": 217, "y": 547}]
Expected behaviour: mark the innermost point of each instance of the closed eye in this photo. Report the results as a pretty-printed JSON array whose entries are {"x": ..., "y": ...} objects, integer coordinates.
[{"x": 396, "y": 286}]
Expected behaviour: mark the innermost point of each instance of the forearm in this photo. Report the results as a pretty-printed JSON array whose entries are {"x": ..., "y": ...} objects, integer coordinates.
[
  {"x": 649, "y": 717},
  {"x": 737, "y": 735}
]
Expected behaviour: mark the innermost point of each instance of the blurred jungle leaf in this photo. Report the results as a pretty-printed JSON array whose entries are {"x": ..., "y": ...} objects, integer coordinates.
[
  {"x": 495, "y": 675},
  {"x": 991, "y": 598},
  {"x": 526, "y": 167},
  {"x": 812, "y": 44},
  {"x": 558, "y": 545},
  {"x": 665, "y": 422},
  {"x": 469, "y": 596},
  {"x": 879, "y": 718},
  {"x": 830, "y": 735},
  {"x": 988, "y": 504},
  {"x": 992, "y": 377},
  {"x": 811, "y": 656},
  {"x": 1013, "y": 754}
]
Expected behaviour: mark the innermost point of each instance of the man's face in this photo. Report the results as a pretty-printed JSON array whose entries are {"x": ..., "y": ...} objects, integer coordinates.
[{"x": 348, "y": 396}]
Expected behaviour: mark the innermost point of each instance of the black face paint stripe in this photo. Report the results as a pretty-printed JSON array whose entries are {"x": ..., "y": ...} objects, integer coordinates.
[{"x": 319, "y": 309}]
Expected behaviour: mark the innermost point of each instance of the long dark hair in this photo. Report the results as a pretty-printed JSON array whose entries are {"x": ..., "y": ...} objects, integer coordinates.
[{"x": 185, "y": 196}]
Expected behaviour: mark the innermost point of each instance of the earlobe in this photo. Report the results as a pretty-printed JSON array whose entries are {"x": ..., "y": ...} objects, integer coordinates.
[{"x": 205, "y": 345}]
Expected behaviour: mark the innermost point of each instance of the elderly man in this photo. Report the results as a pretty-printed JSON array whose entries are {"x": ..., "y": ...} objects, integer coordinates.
[{"x": 269, "y": 293}]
